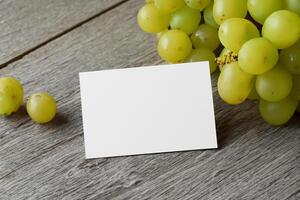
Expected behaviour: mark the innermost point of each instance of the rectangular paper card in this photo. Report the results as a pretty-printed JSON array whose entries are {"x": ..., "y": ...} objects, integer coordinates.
[{"x": 147, "y": 110}]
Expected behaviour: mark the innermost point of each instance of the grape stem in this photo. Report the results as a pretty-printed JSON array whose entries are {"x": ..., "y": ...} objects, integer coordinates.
[{"x": 227, "y": 58}]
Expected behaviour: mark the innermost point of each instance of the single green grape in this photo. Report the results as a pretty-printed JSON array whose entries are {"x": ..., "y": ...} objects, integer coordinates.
[
  {"x": 234, "y": 85},
  {"x": 292, "y": 5},
  {"x": 258, "y": 56},
  {"x": 209, "y": 17},
  {"x": 186, "y": 19},
  {"x": 275, "y": 84},
  {"x": 278, "y": 113},
  {"x": 169, "y": 6},
  {"x": 149, "y": 1},
  {"x": 41, "y": 107},
  {"x": 174, "y": 46},
  {"x": 197, "y": 4},
  {"x": 234, "y": 32},
  {"x": 282, "y": 28},
  {"x": 11, "y": 95},
  {"x": 253, "y": 94},
  {"x": 290, "y": 58},
  {"x": 203, "y": 54},
  {"x": 206, "y": 36},
  {"x": 10, "y": 84},
  {"x": 152, "y": 20},
  {"x": 296, "y": 87},
  {"x": 8, "y": 105},
  {"x": 226, "y": 9},
  {"x": 261, "y": 9}
]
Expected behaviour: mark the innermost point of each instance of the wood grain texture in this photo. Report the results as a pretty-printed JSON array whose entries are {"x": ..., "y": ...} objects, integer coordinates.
[
  {"x": 254, "y": 161},
  {"x": 26, "y": 24}
]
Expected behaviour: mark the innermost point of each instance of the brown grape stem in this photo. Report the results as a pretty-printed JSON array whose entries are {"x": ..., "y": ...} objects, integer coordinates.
[{"x": 227, "y": 58}]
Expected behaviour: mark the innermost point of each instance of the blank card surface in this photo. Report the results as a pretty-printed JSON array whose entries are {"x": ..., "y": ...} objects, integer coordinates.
[{"x": 147, "y": 110}]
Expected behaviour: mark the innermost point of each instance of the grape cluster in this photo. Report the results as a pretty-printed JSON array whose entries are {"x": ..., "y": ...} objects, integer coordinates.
[
  {"x": 260, "y": 59},
  {"x": 41, "y": 107}
]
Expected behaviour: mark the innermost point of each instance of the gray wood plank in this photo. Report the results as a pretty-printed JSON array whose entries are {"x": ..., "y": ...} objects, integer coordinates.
[
  {"x": 254, "y": 161},
  {"x": 27, "y": 24}
]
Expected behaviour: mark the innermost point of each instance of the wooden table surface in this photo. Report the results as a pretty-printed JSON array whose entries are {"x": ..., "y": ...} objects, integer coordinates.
[{"x": 46, "y": 43}]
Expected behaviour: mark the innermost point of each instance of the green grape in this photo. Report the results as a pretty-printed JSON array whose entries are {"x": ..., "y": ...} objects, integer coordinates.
[
  {"x": 152, "y": 20},
  {"x": 292, "y": 5},
  {"x": 203, "y": 54},
  {"x": 149, "y": 1},
  {"x": 206, "y": 36},
  {"x": 169, "y": 6},
  {"x": 275, "y": 84},
  {"x": 10, "y": 84},
  {"x": 226, "y": 9},
  {"x": 174, "y": 46},
  {"x": 282, "y": 28},
  {"x": 290, "y": 58},
  {"x": 186, "y": 19},
  {"x": 253, "y": 94},
  {"x": 234, "y": 32},
  {"x": 261, "y": 9},
  {"x": 278, "y": 113},
  {"x": 234, "y": 85},
  {"x": 41, "y": 107},
  {"x": 258, "y": 56},
  {"x": 7, "y": 104},
  {"x": 209, "y": 17},
  {"x": 296, "y": 87},
  {"x": 11, "y": 95},
  {"x": 197, "y": 4}
]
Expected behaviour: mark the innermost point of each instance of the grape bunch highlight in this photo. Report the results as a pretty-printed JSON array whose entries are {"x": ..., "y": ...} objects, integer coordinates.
[{"x": 255, "y": 44}]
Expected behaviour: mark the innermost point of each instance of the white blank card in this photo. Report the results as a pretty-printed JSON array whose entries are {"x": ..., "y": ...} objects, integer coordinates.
[{"x": 147, "y": 110}]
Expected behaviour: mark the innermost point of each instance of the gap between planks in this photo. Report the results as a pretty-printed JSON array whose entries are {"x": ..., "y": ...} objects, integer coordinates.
[{"x": 32, "y": 49}]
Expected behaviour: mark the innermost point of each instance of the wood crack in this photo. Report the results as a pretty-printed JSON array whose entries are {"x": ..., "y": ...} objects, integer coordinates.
[{"x": 22, "y": 55}]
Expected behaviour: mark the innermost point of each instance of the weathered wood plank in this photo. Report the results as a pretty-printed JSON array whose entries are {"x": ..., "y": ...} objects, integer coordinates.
[
  {"x": 255, "y": 160},
  {"x": 26, "y": 24},
  {"x": 222, "y": 174}
]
